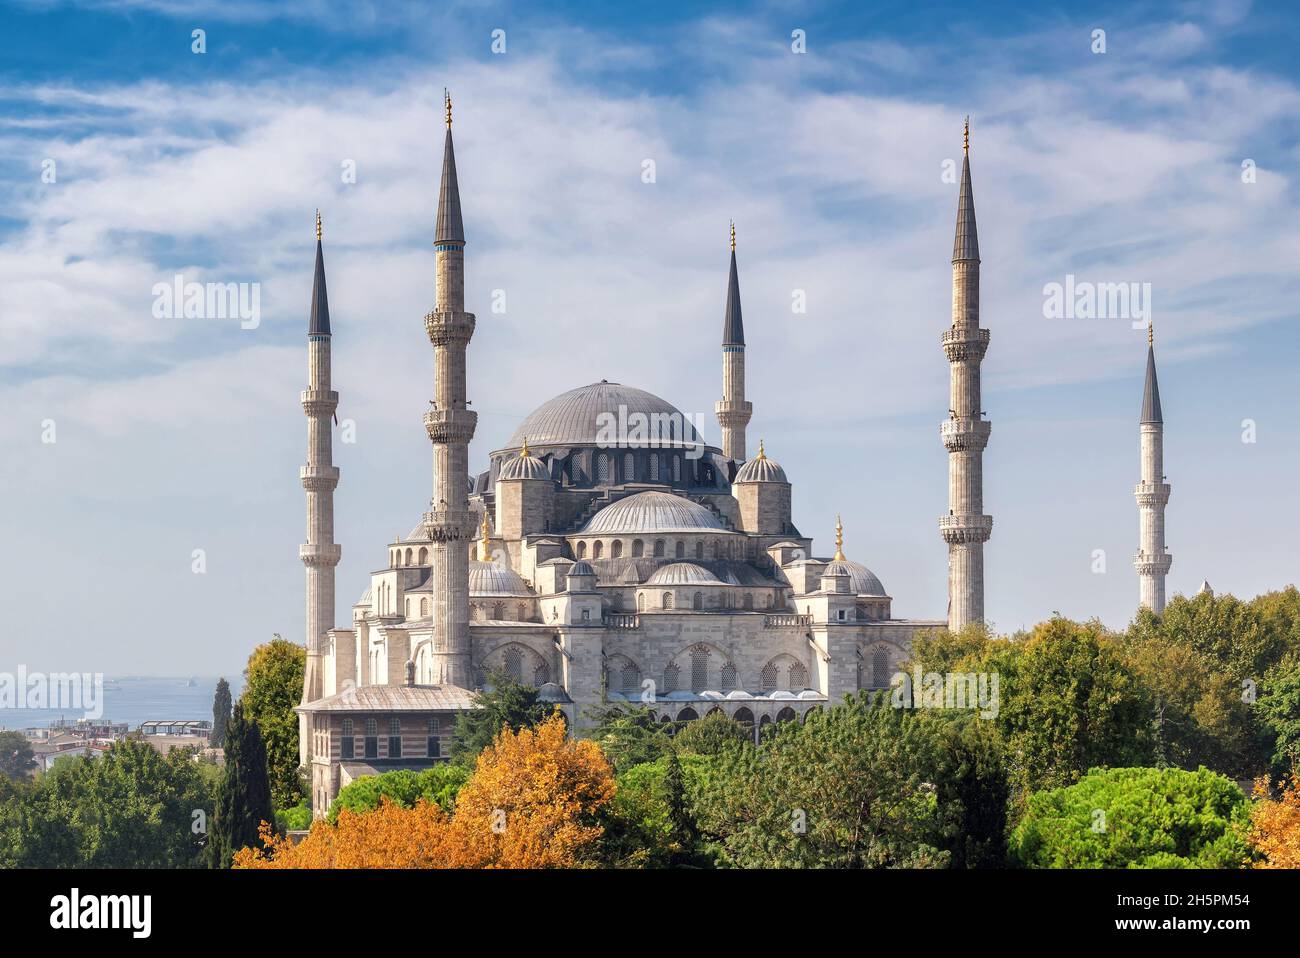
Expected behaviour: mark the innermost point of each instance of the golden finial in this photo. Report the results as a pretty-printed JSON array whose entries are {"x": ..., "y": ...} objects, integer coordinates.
[
  {"x": 446, "y": 99},
  {"x": 484, "y": 544},
  {"x": 965, "y": 136},
  {"x": 839, "y": 540},
  {"x": 523, "y": 451},
  {"x": 1151, "y": 334},
  {"x": 761, "y": 453},
  {"x": 318, "y": 224},
  {"x": 733, "y": 236}
]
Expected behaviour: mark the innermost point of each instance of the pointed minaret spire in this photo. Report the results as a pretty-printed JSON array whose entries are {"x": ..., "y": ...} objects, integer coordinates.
[
  {"x": 1152, "y": 493},
  {"x": 449, "y": 228},
  {"x": 966, "y": 432},
  {"x": 733, "y": 411},
  {"x": 320, "y": 554}
]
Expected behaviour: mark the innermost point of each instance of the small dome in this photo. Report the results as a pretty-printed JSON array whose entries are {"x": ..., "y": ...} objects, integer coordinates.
[
  {"x": 524, "y": 467},
  {"x": 652, "y": 512},
  {"x": 761, "y": 469},
  {"x": 550, "y": 692},
  {"x": 862, "y": 581},
  {"x": 493, "y": 578},
  {"x": 581, "y": 567},
  {"x": 683, "y": 573}
]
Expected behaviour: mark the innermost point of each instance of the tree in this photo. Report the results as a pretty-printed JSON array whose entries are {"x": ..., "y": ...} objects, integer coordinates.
[
  {"x": 850, "y": 788},
  {"x": 973, "y": 788},
  {"x": 16, "y": 756},
  {"x": 629, "y": 734},
  {"x": 128, "y": 808},
  {"x": 1275, "y": 826},
  {"x": 506, "y": 706},
  {"x": 220, "y": 714},
  {"x": 1278, "y": 712},
  {"x": 439, "y": 784},
  {"x": 533, "y": 801},
  {"x": 244, "y": 795},
  {"x": 711, "y": 735},
  {"x": 272, "y": 688},
  {"x": 1135, "y": 818}
]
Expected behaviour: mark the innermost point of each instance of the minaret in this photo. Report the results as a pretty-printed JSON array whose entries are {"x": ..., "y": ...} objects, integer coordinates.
[
  {"x": 449, "y": 523},
  {"x": 733, "y": 411},
  {"x": 965, "y": 434},
  {"x": 319, "y": 477},
  {"x": 1152, "y": 561}
]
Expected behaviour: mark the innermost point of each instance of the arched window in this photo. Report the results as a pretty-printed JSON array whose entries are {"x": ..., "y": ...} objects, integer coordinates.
[
  {"x": 654, "y": 467},
  {"x": 879, "y": 669},
  {"x": 677, "y": 469},
  {"x": 582, "y": 550},
  {"x": 699, "y": 668},
  {"x": 522, "y": 611},
  {"x": 670, "y": 677},
  {"x": 541, "y": 674},
  {"x": 408, "y": 606},
  {"x": 687, "y": 715},
  {"x": 597, "y": 549},
  {"x": 424, "y": 608},
  {"x": 768, "y": 677},
  {"x": 616, "y": 549},
  {"x": 749, "y": 600},
  {"x": 717, "y": 550},
  {"x": 798, "y": 677},
  {"x": 424, "y": 556},
  {"x": 629, "y": 679},
  {"x": 372, "y": 738},
  {"x": 659, "y": 548},
  {"x": 745, "y": 717},
  {"x": 394, "y": 738},
  {"x": 408, "y": 556},
  {"x": 640, "y": 602},
  {"x": 629, "y": 467},
  {"x": 699, "y": 549},
  {"x": 729, "y": 677},
  {"x": 514, "y": 663},
  {"x": 698, "y": 601},
  {"x": 786, "y": 715},
  {"x": 499, "y": 611},
  {"x": 638, "y": 548},
  {"x": 668, "y": 600},
  {"x": 602, "y": 468},
  {"x": 433, "y": 744},
  {"x": 347, "y": 743},
  {"x": 681, "y": 549}
]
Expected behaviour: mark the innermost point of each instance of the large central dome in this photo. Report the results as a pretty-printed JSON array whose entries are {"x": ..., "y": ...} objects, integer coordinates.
[
  {"x": 585, "y": 417},
  {"x": 652, "y": 512}
]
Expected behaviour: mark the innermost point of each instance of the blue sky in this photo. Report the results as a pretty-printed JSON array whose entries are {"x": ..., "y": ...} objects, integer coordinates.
[{"x": 175, "y": 435}]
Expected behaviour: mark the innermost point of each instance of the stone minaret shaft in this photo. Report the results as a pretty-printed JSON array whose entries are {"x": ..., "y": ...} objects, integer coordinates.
[
  {"x": 1152, "y": 561},
  {"x": 733, "y": 411},
  {"x": 965, "y": 434},
  {"x": 450, "y": 425},
  {"x": 320, "y": 554}
]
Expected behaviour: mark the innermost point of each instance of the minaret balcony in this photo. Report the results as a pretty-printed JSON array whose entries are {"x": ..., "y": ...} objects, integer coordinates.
[
  {"x": 965, "y": 435},
  {"x": 957, "y": 530},
  {"x": 731, "y": 413},
  {"x": 449, "y": 327},
  {"x": 1151, "y": 494},
  {"x": 319, "y": 402},
  {"x": 1148, "y": 563},
  {"x": 319, "y": 478},
  {"x": 321, "y": 554},
  {"x": 960, "y": 343},
  {"x": 446, "y": 426},
  {"x": 450, "y": 525}
]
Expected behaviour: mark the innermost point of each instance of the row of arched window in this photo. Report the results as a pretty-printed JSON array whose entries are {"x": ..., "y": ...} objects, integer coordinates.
[
  {"x": 667, "y": 600},
  {"x": 408, "y": 558},
  {"x": 500, "y": 611},
  {"x": 732, "y": 548},
  {"x": 624, "y": 676}
]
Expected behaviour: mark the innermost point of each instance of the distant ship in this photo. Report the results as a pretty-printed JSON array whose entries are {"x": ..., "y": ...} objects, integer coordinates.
[{"x": 192, "y": 684}]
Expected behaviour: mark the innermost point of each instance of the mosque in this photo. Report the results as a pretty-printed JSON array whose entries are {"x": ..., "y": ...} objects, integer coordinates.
[{"x": 608, "y": 552}]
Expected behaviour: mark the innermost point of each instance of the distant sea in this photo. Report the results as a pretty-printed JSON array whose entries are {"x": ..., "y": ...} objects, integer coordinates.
[{"x": 134, "y": 699}]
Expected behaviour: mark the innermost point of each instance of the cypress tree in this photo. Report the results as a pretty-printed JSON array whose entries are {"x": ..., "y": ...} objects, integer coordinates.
[
  {"x": 244, "y": 795},
  {"x": 220, "y": 714}
]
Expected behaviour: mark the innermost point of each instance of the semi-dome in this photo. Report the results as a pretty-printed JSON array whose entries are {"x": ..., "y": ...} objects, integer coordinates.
[
  {"x": 683, "y": 573},
  {"x": 862, "y": 581},
  {"x": 493, "y": 578},
  {"x": 652, "y": 512},
  {"x": 580, "y": 417}
]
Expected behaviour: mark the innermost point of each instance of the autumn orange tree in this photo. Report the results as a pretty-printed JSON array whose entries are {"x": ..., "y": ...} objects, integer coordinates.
[
  {"x": 532, "y": 802},
  {"x": 1275, "y": 826}
]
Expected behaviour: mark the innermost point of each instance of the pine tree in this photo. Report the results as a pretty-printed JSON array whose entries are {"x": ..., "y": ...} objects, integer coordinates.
[
  {"x": 220, "y": 714},
  {"x": 244, "y": 795},
  {"x": 681, "y": 825}
]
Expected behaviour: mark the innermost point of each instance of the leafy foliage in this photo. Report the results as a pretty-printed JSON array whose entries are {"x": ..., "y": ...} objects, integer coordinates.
[
  {"x": 439, "y": 784},
  {"x": 1275, "y": 826},
  {"x": 1278, "y": 712},
  {"x": 1135, "y": 818},
  {"x": 272, "y": 687},
  {"x": 220, "y": 714},
  {"x": 16, "y": 757},
  {"x": 506, "y": 706},
  {"x": 244, "y": 795}
]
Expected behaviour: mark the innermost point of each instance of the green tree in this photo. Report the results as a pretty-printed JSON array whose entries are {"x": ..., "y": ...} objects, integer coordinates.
[
  {"x": 711, "y": 735},
  {"x": 850, "y": 788},
  {"x": 244, "y": 795},
  {"x": 651, "y": 823},
  {"x": 16, "y": 756},
  {"x": 1278, "y": 711},
  {"x": 506, "y": 705},
  {"x": 439, "y": 784},
  {"x": 629, "y": 734},
  {"x": 220, "y": 714},
  {"x": 973, "y": 788},
  {"x": 272, "y": 688},
  {"x": 1135, "y": 818}
]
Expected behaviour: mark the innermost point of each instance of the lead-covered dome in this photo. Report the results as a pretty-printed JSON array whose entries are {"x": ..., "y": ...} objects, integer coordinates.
[
  {"x": 524, "y": 467},
  {"x": 683, "y": 573},
  {"x": 581, "y": 417},
  {"x": 652, "y": 512},
  {"x": 862, "y": 581},
  {"x": 493, "y": 578},
  {"x": 761, "y": 469}
]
